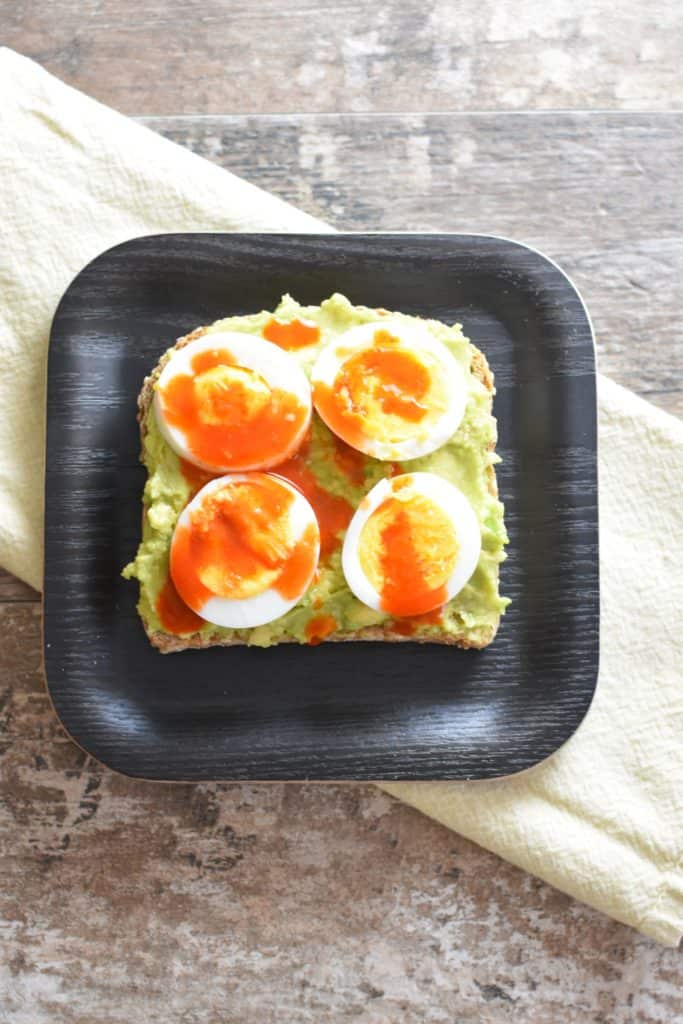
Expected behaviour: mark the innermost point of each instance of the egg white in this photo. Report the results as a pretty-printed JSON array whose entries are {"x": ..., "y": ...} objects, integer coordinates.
[
  {"x": 268, "y": 605},
  {"x": 413, "y": 337},
  {"x": 449, "y": 499},
  {"x": 277, "y": 368}
]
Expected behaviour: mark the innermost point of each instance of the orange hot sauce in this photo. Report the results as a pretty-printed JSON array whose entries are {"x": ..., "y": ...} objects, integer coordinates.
[
  {"x": 408, "y": 627},
  {"x": 349, "y": 461},
  {"x": 387, "y": 374},
  {"x": 173, "y": 613},
  {"x": 238, "y": 535},
  {"x": 195, "y": 476},
  {"x": 221, "y": 425},
  {"x": 293, "y": 335},
  {"x": 319, "y": 628},
  {"x": 332, "y": 512}
]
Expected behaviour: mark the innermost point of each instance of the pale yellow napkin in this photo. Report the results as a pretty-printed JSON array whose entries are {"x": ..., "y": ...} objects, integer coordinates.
[{"x": 603, "y": 818}]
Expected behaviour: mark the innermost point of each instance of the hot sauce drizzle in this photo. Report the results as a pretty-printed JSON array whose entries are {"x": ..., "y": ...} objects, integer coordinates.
[
  {"x": 174, "y": 614},
  {"x": 384, "y": 377},
  {"x": 231, "y": 419},
  {"x": 238, "y": 544},
  {"x": 350, "y": 462},
  {"x": 293, "y": 335},
  {"x": 412, "y": 625},
  {"x": 408, "y": 549},
  {"x": 405, "y": 591},
  {"x": 195, "y": 476},
  {"x": 332, "y": 512},
  {"x": 319, "y": 628}
]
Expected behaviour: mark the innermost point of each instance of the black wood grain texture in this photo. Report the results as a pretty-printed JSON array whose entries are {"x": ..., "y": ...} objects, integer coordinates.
[{"x": 349, "y": 711}]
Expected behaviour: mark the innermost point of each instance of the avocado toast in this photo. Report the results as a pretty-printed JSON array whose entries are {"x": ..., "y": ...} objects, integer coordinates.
[{"x": 335, "y": 478}]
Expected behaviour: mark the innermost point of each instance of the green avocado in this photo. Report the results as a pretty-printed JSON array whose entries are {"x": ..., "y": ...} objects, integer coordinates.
[{"x": 463, "y": 460}]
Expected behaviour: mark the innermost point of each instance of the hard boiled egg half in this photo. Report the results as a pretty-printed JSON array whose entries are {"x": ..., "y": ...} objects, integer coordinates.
[
  {"x": 412, "y": 545},
  {"x": 389, "y": 389},
  {"x": 244, "y": 550},
  {"x": 228, "y": 401}
]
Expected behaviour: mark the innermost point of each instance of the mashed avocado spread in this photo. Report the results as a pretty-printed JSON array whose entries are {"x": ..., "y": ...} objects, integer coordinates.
[{"x": 339, "y": 477}]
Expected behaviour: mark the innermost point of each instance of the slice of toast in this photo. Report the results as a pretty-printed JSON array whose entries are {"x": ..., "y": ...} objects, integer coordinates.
[{"x": 168, "y": 642}]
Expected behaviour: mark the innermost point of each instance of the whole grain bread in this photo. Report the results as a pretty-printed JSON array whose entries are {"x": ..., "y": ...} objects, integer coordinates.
[{"x": 168, "y": 643}]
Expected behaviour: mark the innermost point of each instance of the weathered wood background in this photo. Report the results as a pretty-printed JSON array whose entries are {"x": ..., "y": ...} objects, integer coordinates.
[
  {"x": 599, "y": 193},
  {"x": 278, "y": 56},
  {"x": 123, "y": 899}
]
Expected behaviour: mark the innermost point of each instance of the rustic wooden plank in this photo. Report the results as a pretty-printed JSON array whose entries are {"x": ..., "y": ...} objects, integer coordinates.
[
  {"x": 599, "y": 193},
  {"x": 12, "y": 589},
  {"x": 264, "y": 903},
  {"x": 209, "y": 56}
]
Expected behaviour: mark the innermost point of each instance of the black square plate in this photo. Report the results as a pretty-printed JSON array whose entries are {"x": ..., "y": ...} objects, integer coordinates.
[{"x": 337, "y": 711}]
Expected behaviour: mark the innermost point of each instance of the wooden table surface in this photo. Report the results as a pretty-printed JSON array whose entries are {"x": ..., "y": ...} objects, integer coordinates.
[{"x": 123, "y": 900}]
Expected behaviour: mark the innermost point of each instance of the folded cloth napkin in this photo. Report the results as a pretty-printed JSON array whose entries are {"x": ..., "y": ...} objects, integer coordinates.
[{"x": 603, "y": 818}]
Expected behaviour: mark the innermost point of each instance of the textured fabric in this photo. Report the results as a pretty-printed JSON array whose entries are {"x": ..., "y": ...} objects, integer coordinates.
[
  {"x": 75, "y": 179},
  {"x": 603, "y": 818}
]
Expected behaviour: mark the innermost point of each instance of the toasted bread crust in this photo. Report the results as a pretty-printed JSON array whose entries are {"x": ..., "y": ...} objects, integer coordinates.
[{"x": 169, "y": 643}]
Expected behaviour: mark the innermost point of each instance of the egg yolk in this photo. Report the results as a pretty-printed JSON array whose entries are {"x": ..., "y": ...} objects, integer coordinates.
[
  {"x": 408, "y": 549},
  {"x": 239, "y": 543},
  {"x": 230, "y": 417},
  {"x": 230, "y": 394},
  {"x": 388, "y": 392}
]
